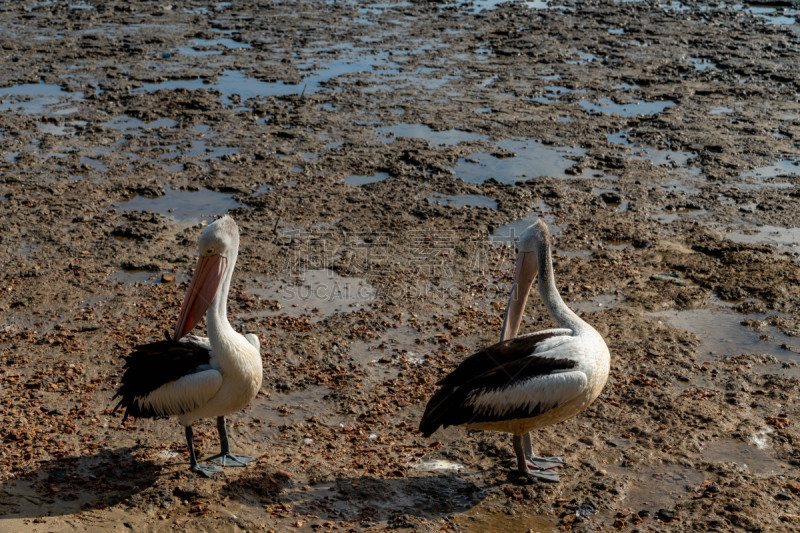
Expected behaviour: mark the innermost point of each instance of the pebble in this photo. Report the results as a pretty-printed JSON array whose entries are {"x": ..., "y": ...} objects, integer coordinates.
[{"x": 665, "y": 514}]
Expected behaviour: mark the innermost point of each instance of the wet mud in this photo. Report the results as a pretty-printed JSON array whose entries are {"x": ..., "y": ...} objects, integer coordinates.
[{"x": 379, "y": 159}]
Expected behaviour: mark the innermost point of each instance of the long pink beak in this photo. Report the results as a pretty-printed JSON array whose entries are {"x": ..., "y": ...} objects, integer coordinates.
[
  {"x": 202, "y": 291},
  {"x": 523, "y": 280}
]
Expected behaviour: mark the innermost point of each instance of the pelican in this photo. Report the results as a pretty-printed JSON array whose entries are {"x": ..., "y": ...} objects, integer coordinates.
[
  {"x": 531, "y": 381},
  {"x": 193, "y": 377}
]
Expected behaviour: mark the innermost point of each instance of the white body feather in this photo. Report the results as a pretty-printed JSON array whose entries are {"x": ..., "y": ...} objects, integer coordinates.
[{"x": 561, "y": 394}]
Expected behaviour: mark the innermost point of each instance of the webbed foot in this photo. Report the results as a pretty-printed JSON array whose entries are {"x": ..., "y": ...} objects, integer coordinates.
[
  {"x": 205, "y": 470},
  {"x": 231, "y": 459}
]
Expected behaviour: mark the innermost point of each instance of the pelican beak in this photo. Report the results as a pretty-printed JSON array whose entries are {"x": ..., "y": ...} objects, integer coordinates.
[
  {"x": 527, "y": 267},
  {"x": 202, "y": 291}
]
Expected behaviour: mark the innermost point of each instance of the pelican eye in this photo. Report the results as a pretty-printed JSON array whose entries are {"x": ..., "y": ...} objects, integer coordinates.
[{"x": 209, "y": 251}]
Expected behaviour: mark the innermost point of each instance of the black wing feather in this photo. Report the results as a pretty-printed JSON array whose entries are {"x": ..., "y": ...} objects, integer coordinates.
[
  {"x": 153, "y": 365},
  {"x": 495, "y": 367},
  {"x": 495, "y": 356}
]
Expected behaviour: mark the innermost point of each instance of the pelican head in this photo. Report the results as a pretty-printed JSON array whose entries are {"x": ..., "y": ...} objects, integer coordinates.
[
  {"x": 535, "y": 238},
  {"x": 218, "y": 247}
]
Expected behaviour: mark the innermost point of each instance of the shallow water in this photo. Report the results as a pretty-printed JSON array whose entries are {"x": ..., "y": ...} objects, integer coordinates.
[
  {"x": 607, "y": 106},
  {"x": 658, "y": 487},
  {"x": 790, "y": 167},
  {"x": 420, "y": 131},
  {"x": 749, "y": 457},
  {"x": 183, "y": 206},
  {"x": 521, "y": 159},
  {"x": 39, "y": 99},
  {"x": 356, "y": 180},
  {"x": 722, "y": 334},
  {"x": 463, "y": 200},
  {"x": 784, "y": 238},
  {"x": 552, "y": 93},
  {"x": 508, "y": 235},
  {"x": 126, "y": 122}
]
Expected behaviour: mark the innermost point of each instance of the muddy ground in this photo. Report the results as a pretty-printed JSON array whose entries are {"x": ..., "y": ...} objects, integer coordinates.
[{"x": 379, "y": 159}]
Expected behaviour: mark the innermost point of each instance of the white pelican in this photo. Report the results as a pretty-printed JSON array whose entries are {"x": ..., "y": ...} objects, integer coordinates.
[
  {"x": 527, "y": 382},
  {"x": 199, "y": 377}
]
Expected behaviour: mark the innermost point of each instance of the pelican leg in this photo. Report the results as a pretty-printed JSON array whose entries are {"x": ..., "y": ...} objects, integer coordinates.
[
  {"x": 194, "y": 466},
  {"x": 524, "y": 466},
  {"x": 542, "y": 463},
  {"x": 226, "y": 458}
]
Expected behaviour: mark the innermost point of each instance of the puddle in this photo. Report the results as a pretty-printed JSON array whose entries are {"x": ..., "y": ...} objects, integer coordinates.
[
  {"x": 748, "y": 457},
  {"x": 200, "y": 148},
  {"x": 597, "y": 303},
  {"x": 125, "y": 122},
  {"x": 372, "y": 500},
  {"x": 607, "y": 106},
  {"x": 355, "y": 181},
  {"x": 658, "y": 487},
  {"x": 295, "y": 407},
  {"x": 479, "y": 6},
  {"x": 553, "y": 93},
  {"x": 481, "y": 520},
  {"x": 721, "y": 110},
  {"x": 659, "y": 157},
  {"x": 520, "y": 159},
  {"x": 585, "y": 58},
  {"x": 53, "y": 129},
  {"x": 95, "y": 164},
  {"x": 450, "y": 137},
  {"x": 509, "y": 234},
  {"x": 770, "y": 15},
  {"x": 38, "y": 99},
  {"x": 206, "y": 47},
  {"x": 679, "y": 214},
  {"x": 786, "y": 167},
  {"x": 463, "y": 200},
  {"x": 784, "y": 238},
  {"x": 701, "y": 64},
  {"x": 234, "y": 82},
  {"x": 722, "y": 334},
  {"x": 319, "y": 293},
  {"x": 183, "y": 206}
]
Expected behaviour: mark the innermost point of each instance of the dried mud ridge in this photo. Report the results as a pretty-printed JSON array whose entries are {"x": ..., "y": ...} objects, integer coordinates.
[{"x": 658, "y": 141}]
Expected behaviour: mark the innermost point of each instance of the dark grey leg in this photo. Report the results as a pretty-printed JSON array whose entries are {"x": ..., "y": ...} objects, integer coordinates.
[
  {"x": 523, "y": 465},
  {"x": 194, "y": 466},
  {"x": 542, "y": 463},
  {"x": 226, "y": 458}
]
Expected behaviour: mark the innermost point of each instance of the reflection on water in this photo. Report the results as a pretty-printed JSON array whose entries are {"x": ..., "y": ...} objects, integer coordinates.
[
  {"x": 516, "y": 160},
  {"x": 38, "y": 99},
  {"x": 785, "y": 238},
  {"x": 607, "y": 106},
  {"x": 420, "y": 131},
  {"x": 722, "y": 334}
]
